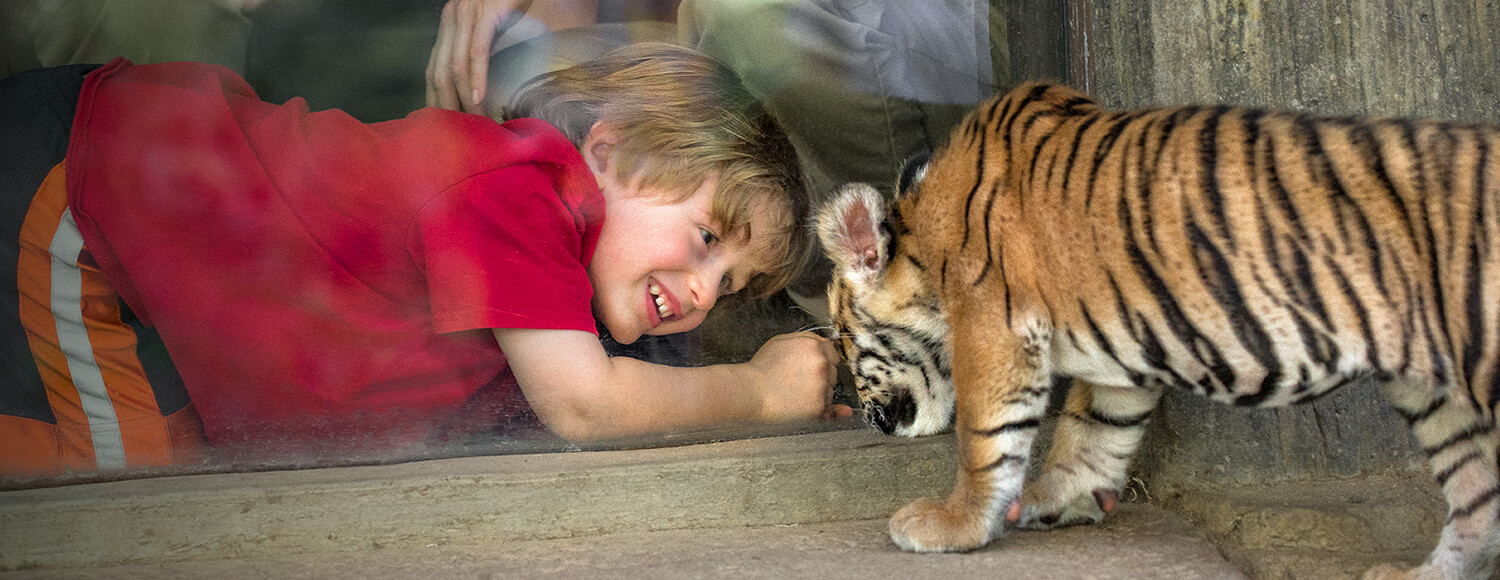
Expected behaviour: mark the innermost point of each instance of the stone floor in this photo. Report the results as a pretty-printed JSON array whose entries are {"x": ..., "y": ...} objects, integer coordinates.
[{"x": 1145, "y": 542}]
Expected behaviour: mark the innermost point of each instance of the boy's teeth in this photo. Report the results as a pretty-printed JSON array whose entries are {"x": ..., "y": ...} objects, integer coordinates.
[{"x": 661, "y": 302}]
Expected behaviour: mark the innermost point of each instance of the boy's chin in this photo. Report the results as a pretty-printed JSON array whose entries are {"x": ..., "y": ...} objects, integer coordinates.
[
  {"x": 628, "y": 334},
  {"x": 625, "y": 336}
]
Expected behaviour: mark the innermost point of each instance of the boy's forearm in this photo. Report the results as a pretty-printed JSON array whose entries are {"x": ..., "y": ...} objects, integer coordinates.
[
  {"x": 642, "y": 397},
  {"x": 580, "y": 393}
]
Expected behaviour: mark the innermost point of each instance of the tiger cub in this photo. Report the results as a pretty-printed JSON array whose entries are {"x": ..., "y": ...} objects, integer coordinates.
[{"x": 1254, "y": 257}]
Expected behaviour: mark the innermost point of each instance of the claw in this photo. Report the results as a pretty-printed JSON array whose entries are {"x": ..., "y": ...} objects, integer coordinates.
[{"x": 1106, "y": 499}]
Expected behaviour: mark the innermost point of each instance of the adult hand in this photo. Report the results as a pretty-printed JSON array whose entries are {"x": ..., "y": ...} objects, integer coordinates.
[
  {"x": 458, "y": 69},
  {"x": 794, "y": 375}
]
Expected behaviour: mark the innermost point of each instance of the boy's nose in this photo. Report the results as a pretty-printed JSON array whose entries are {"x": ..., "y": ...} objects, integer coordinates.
[{"x": 705, "y": 287}]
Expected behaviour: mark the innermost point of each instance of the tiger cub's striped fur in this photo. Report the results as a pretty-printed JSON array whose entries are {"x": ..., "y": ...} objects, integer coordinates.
[{"x": 1254, "y": 257}]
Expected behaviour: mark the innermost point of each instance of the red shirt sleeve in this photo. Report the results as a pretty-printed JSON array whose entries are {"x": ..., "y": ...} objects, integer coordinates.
[{"x": 502, "y": 250}]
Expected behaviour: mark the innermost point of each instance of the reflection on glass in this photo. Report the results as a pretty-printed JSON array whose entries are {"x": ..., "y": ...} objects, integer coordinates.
[{"x": 294, "y": 239}]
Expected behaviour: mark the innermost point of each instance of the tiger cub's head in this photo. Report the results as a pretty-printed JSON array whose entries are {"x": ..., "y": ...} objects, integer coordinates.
[{"x": 889, "y": 323}]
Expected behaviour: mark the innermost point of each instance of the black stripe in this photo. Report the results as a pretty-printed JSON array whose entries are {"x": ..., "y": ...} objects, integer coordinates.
[
  {"x": 1473, "y": 311},
  {"x": 1443, "y": 334},
  {"x": 1140, "y": 330},
  {"x": 1073, "y": 154},
  {"x": 914, "y": 165},
  {"x": 1208, "y": 165},
  {"x": 989, "y": 222},
  {"x": 1361, "y": 313},
  {"x": 879, "y": 331},
  {"x": 1005, "y": 284},
  {"x": 1140, "y": 189},
  {"x": 1407, "y": 131},
  {"x": 1012, "y": 426},
  {"x": 1105, "y": 146},
  {"x": 1155, "y": 354},
  {"x": 1339, "y": 196},
  {"x": 895, "y": 222},
  {"x": 1176, "y": 320},
  {"x": 1251, "y": 119},
  {"x": 1315, "y": 159},
  {"x": 982, "y": 123},
  {"x": 1218, "y": 278},
  {"x": 1369, "y": 146},
  {"x": 1071, "y": 105},
  {"x": 1004, "y": 459},
  {"x": 1036, "y": 155},
  {"x": 1104, "y": 343},
  {"x": 1095, "y": 416},
  {"x": 1409, "y": 326},
  {"x": 1008, "y": 118},
  {"x": 1304, "y": 394},
  {"x": 1454, "y": 439},
  {"x": 1488, "y": 496},
  {"x": 1299, "y": 287},
  {"x": 1440, "y": 372},
  {"x": 1148, "y": 169},
  {"x": 1473, "y": 307},
  {"x": 1312, "y": 298},
  {"x": 1443, "y": 159},
  {"x": 1446, "y": 474},
  {"x": 1028, "y": 395},
  {"x": 1281, "y": 197}
]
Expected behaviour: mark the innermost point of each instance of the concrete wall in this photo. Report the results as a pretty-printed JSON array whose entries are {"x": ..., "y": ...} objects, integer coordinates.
[{"x": 1433, "y": 58}]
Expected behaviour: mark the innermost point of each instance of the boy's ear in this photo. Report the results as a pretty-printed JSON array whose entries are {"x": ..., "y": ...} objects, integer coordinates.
[
  {"x": 599, "y": 147},
  {"x": 851, "y": 227}
]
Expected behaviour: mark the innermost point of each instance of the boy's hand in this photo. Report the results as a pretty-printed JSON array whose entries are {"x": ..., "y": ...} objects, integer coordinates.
[
  {"x": 459, "y": 67},
  {"x": 460, "y": 61},
  {"x": 794, "y": 375},
  {"x": 583, "y": 394}
]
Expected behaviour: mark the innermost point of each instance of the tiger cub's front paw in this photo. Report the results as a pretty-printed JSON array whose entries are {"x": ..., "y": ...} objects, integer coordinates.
[
  {"x": 932, "y": 526},
  {"x": 1041, "y": 513}
]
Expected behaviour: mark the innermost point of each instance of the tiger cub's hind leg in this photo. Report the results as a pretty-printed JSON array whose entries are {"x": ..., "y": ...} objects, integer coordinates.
[
  {"x": 1097, "y": 435},
  {"x": 1460, "y": 444}
]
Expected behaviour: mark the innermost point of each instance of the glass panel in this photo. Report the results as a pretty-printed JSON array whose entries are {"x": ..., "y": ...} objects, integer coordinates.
[{"x": 857, "y": 88}]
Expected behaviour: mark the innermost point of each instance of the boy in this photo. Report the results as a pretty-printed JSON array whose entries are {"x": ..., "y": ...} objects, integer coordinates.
[{"x": 316, "y": 279}]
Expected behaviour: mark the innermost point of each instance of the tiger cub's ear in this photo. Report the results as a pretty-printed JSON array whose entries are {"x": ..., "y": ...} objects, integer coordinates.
[
  {"x": 851, "y": 227},
  {"x": 913, "y": 171}
]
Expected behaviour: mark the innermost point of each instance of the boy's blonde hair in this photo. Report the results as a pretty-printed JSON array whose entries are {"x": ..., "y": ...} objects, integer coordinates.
[{"x": 682, "y": 117}]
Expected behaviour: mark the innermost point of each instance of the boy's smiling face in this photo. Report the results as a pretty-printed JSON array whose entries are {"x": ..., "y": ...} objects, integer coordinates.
[{"x": 659, "y": 267}]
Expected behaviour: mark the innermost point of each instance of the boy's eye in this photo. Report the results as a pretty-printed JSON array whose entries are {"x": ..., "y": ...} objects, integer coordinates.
[{"x": 708, "y": 237}]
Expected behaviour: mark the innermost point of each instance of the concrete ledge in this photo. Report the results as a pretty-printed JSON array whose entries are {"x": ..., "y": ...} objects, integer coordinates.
[{"x": 820, "y": 477}]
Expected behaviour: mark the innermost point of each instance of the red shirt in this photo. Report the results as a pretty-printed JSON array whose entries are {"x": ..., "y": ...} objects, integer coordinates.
[{"x": 315, "y": 277}]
